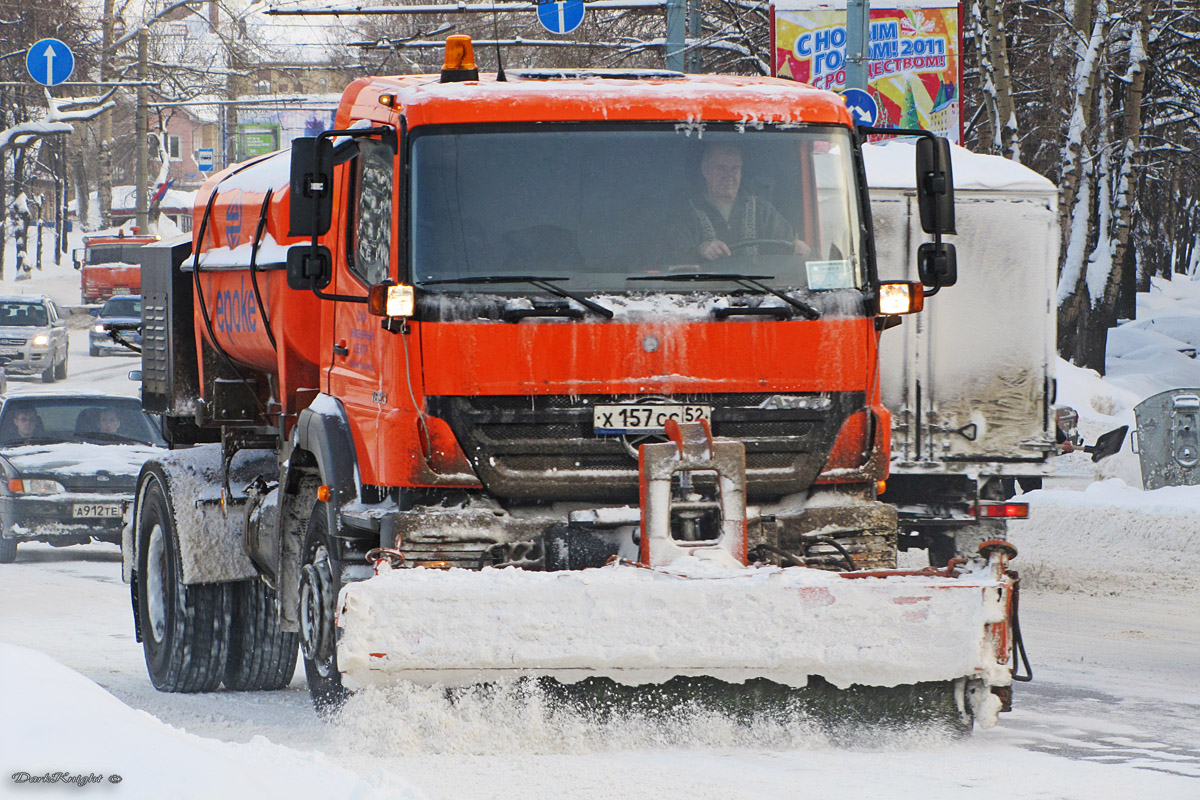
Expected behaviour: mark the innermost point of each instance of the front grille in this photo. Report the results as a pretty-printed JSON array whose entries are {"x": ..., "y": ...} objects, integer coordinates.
[
  {"x": 544, "y": 447},
  {"x": 12, "y": 342}
]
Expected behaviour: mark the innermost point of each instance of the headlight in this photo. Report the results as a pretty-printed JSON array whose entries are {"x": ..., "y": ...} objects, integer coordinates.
[
  {"x": 35, "y": 486},
  {"x": 99, "y": 328},
  {"x": 41, "y": 340}
]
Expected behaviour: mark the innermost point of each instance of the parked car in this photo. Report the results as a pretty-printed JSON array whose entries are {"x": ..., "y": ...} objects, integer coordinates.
[
  {"x": 118, "y": 310},
  {"x": 68, "y": 464},
  {"x": 33, "y": 337}
]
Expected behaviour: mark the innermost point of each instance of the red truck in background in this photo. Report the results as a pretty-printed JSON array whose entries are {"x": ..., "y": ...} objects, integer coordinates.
[{"x": 109, "y": 265}]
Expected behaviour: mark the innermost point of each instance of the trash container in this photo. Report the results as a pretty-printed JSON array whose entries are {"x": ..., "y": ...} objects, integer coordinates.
[{"x": 1168, "y": 438}]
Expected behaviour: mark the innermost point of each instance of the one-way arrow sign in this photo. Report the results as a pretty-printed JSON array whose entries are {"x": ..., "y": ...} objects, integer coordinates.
[{"x": 50, "y": 62}]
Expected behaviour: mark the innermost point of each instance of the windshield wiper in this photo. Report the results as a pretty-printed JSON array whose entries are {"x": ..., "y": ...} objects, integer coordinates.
[
  {"x": 749, "y": 281},
  {"x": 543, "y": 283}
]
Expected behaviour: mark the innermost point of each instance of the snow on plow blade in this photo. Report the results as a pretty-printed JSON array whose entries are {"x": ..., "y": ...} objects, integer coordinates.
[{"x": 643, "y": 626}]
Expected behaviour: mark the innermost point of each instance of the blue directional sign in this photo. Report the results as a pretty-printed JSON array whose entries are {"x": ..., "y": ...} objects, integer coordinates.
[
  {"x": 863, "y": 107},
  {"x": 50, "y": 62},
  {"x": 560, "y": 17}
]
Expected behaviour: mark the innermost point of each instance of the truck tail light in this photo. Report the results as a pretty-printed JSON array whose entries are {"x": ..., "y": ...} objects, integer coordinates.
[
  {"x": 900, "y": 297},
  {"x": 986, "y": 510}
]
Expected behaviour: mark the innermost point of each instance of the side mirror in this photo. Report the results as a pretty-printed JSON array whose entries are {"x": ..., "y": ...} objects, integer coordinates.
[
  {"x": 95, "y": 312},
  {"x": 937, "y": 264},
  {"x": 935, "y": 185},
  {"x": 135, "y": 375},
  {"x": 77, "y": 256},
  {"x": 308, "y": 267},
  {"x": 311, "y": 193}
]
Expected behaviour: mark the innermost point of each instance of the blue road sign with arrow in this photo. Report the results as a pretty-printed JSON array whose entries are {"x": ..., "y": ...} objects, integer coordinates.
[
  {"x": 563, "y": 16},
  {"x": 50, "y": 62},
  {"x": 863, "y": 108}
]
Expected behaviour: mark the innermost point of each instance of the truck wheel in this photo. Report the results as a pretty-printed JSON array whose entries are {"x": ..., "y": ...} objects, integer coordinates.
[
  {"x": 261, "y": 655},
  {"x": 185, "y": 629},
  {"x": 8, "y": 551},
  {"x": 320, "y": 580}
]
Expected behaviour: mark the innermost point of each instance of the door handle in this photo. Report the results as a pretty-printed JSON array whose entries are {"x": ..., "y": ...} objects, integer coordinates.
[{"x": 340, "y": 349}]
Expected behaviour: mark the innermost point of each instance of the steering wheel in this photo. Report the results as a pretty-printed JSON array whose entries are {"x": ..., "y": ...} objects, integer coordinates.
[{"x": 742, "y": 245}]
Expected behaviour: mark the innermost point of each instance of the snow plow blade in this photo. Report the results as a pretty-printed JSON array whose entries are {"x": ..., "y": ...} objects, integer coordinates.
[{"x": 636, "y": 625}]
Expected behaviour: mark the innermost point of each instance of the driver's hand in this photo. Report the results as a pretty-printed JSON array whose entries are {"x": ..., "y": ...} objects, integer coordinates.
[
  {"x": 801, "y": 248},
  {"x": 714, "y": 249}
]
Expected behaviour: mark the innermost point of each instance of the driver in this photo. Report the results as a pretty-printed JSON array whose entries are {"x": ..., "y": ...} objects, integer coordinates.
[
  {"x": 27, "y": 423},
  {"x": 725, "y": 215},
  {"x": 110, "y": 422}
]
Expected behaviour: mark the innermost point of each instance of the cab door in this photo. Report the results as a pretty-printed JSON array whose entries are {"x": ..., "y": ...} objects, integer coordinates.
[{"x": 357, "y": 369}]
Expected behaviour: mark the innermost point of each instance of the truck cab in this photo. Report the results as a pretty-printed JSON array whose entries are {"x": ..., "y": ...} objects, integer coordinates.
[{"x": 108, "y": 265}]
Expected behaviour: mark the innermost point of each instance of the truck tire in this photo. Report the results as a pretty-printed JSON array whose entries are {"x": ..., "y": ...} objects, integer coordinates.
[
  {"x": 320, "y": 581},
  {"x": 185, "y": 629},
  {"x": 8, "y": 551},
  {"x": 261, "y": 655}
]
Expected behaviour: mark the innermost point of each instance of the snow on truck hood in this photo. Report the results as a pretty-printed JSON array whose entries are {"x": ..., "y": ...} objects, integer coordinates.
[
  {"x": 892, "y": 165},
  {"x": 81, "y": 458}
]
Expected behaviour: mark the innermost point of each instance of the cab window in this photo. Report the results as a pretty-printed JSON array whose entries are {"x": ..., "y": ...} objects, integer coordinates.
[{"x": 371, "y": 224}]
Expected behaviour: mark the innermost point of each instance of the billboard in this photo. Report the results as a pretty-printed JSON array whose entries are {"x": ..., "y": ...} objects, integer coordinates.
[{"x": 915, "y": 62}]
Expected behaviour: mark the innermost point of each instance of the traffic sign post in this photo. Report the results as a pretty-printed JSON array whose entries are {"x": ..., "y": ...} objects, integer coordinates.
[
  {"x": 863, "y": 108},
  {"x": 560, "y": 17},
  {"x": 204, "y": 159},
  {"x": 49, "y": 62}
]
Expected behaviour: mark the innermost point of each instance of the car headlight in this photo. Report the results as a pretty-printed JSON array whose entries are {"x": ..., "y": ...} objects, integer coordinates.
[
  {"x": 99, "y": 328},
  {"x": 41, "y": 340},
  {"x": 35, "y": 486}
]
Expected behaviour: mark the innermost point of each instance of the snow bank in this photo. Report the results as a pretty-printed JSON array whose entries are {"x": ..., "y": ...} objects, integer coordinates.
[
  {"x": 1111, "y": 538},
  {"x": 62, "y": 725}
]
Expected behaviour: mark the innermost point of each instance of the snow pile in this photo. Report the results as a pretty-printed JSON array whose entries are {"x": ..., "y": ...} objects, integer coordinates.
[
  {"x": 1113, "y": 537},
  {"x": 66, "y": 734},
  {"x": 642, "y": 626}
]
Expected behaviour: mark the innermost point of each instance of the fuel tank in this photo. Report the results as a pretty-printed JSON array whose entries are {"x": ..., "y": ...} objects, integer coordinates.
[{"x": 243, "y": 305}]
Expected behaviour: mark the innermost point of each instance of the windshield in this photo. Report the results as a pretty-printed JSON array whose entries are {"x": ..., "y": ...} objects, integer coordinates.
[
  {"x": 99, "y": 420},
  {"x": 113, "y": 254},
  {"x": 596, "y": 206},
  {"x": 23, "y": 315},
  {"x": 122, "y": 307}
]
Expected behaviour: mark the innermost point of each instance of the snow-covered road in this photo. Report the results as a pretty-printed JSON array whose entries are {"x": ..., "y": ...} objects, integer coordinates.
[{"x": 1114, "y": 713}]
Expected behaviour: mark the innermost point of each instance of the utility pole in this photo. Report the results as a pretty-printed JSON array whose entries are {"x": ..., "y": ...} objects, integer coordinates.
[
  {"x": 858, "y": 16},
  {"x": 676, "y": 28},
  {"x": 142, "y": 134},
  {"x": 104, "y": 193}
]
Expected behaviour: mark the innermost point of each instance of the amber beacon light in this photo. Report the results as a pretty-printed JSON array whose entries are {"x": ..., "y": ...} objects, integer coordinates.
[{"x": 459, "y": 63}]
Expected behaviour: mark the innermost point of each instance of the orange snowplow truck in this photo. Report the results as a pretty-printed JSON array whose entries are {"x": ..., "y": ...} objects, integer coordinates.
[
  {"x": 109, "y": 265},
  {"x": 549, "y": 323}
]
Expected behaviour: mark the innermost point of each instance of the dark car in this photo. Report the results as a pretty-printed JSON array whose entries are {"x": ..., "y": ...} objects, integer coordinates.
[
  {"x": 123, "y": 311},
  {"x": 68, "y": 464}
]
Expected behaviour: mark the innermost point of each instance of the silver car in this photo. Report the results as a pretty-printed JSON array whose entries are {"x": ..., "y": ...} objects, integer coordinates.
[{"x": 33, "y": 337}]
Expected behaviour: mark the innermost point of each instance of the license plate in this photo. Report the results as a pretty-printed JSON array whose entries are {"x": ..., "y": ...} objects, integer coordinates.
[
  {"x": 9, "y": 351},
  {"x": 120, "y": 290},
  {"x": 648, "y": 418},
  {"x": 96, "y": 510}
]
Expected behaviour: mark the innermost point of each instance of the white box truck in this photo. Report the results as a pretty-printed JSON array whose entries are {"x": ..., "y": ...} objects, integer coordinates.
[{"x": 970, "y": 381}]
